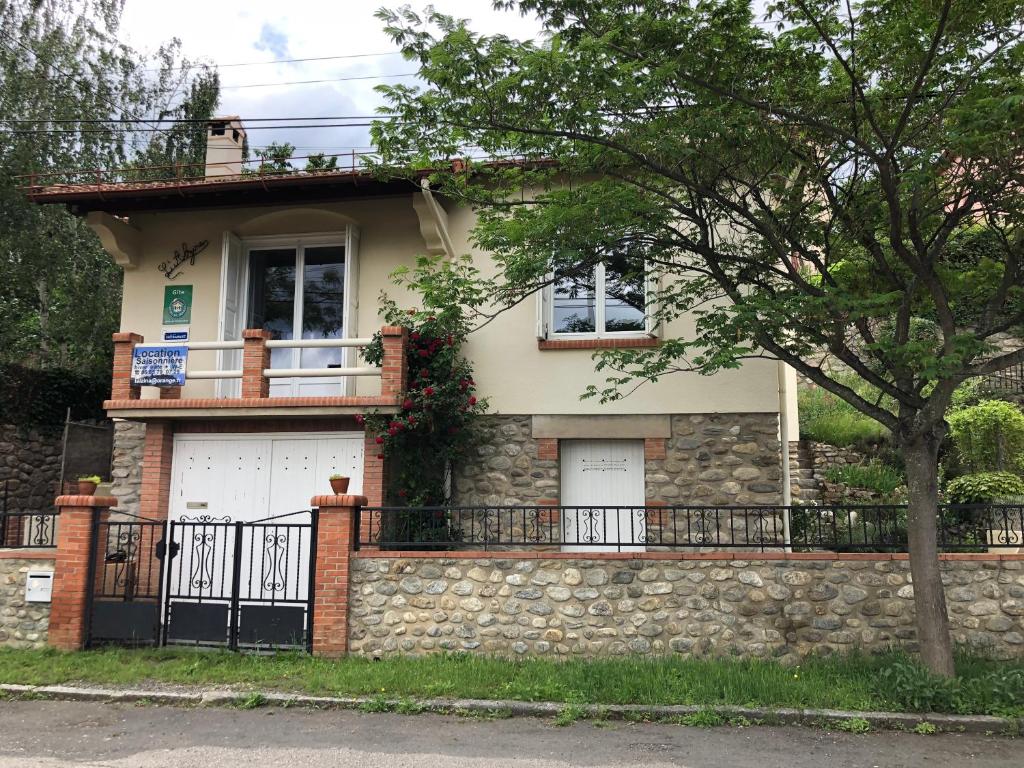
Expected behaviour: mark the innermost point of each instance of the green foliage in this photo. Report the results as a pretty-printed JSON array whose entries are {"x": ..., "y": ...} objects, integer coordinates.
[
  {"x": 989, "y": 436},
  {"x": 854, "y": 725},
  {"x": 33, "y": 398},
  {"x": 705, "y": 718},
  {"x": 925, "y": 728},
  {"x": 433, "y": 431},
  {"x": 847, "y": 529},
  {"x": 853, "y": 682},
  {"x": 913, "y": 688},
  {"x": 985, "y": 487},
  {"x": 274, "y": 159},
  {"x": 826, "y": 418},
  {"x": 90, "y": 479},
  {"x": 320, "y": 162},
  {"x": 253, "y": 701},
  {"x": 60, "y": 293},
  {"x": 874, "y": 476}
]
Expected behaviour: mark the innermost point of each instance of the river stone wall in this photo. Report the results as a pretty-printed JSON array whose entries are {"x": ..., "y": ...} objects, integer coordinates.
[
  {"x": 22, "y": 625},
  {"x": 126, "y": 464},
  {"x": 29, "y": 468},
  {"x": 784, "y": 609},
  {"x": 505, "y": 468}
]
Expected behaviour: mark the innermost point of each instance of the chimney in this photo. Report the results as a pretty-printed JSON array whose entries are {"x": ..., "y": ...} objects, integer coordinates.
[{"x": 225, "y": 140}]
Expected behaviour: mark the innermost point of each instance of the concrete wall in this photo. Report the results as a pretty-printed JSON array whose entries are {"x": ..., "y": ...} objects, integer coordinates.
[
  {"x": 770, "y": 606},
  {"x": 22, "y": 625},
  {"x": 511, "y": 370}
]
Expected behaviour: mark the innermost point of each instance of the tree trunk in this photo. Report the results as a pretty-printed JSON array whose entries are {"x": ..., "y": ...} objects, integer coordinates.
[{"x": 936, "y": 647}]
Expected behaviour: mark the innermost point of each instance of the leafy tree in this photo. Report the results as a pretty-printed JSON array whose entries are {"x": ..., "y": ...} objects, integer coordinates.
[
  {"x": 274, "y": 158},
  {"x": 65, "y": 82},
  {"x": 734, "y": 158}
]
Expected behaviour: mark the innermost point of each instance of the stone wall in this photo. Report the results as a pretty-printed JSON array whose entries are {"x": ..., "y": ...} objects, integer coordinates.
[
  {"x": 29, "y": 467},
  {"x": 126, "y": 464},
  {"x": 506, "y": 468},
  {"x": 719, "y": 459},
  {"x": 22, "y": 625},
  {"x": 784, "y": 608}
]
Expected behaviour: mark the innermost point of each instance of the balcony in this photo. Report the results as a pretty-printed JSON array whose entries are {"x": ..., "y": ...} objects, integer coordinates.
[{"x": 252, "y": 397}]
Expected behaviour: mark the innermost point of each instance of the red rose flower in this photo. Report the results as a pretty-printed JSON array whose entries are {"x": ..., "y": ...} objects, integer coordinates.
[
  {"x": 403, "y": 493},
  {"x": 428, "y": 391},
  {"x": 424, "y": 353},
  {"x": 380, "y": 440},
  {"x": 380, "y": 455},
  {"x": 472, "y": 401},
  {"x": 407, "y": 404},
  {"x": 392, "y": 431},
  {"x": 412, "y": 421},
  {"x": 360, "y": 419},
  {"x": 414, "y": 336}
]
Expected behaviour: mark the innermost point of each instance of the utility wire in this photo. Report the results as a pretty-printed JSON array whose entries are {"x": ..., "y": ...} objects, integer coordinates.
[
  {"x": 314, "y": 82},
  {"x": 278, "y": 61}
]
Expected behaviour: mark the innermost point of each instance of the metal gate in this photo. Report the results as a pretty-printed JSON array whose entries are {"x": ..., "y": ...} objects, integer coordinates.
[
  {"x": 203, "y": 581},
  {"x": 125, "y": 571},
  {"x": 241, "y": 584}
]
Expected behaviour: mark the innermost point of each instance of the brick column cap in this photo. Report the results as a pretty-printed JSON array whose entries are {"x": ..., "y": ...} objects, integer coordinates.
[
  {"x": 77, "y": 500},
  {"x": 331, "y": 500},
  {"x": 122, "y": 336},
  {"x": 257, "y": 333},
  {"x": 393, "y": 330}
]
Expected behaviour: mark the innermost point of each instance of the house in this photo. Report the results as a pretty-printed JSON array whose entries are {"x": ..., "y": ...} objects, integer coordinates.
[{"x": 231, "y": 265}]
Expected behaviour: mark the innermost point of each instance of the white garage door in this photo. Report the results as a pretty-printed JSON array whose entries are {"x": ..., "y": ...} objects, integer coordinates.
[
  {"x": 603, "y": 488},
  {"x": 246, "y": 477}
]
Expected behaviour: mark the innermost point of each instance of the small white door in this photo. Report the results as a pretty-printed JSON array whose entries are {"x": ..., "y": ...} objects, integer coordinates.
[{"x": 603, "y": 490}]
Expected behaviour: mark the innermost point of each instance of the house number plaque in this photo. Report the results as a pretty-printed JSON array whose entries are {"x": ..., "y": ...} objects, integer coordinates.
[{"x": 172, "y": 268}]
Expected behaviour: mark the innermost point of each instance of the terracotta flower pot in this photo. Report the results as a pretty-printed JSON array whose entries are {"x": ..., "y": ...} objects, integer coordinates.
[
  {"x": 86, "y": 488},
  {"x": 340, "y": 485}
]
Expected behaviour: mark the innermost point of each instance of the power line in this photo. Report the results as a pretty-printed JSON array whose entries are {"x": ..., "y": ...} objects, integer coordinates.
[
  {"x": 187, "y": 120},
  {"x": 329, "y": 80},
  {"x": 163, "y": 130},
  {"x": 187, "y": 67}
]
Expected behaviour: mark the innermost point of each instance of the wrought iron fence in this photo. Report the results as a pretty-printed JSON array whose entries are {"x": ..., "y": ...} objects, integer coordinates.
[
  {"x": 841, "y": 528},
  {"x": 26, "y": 530}
]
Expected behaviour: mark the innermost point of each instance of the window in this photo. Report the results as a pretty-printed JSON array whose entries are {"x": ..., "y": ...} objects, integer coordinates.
[
  {"x": 608, "y": 299},
  {"x": 299, "y": 292}
]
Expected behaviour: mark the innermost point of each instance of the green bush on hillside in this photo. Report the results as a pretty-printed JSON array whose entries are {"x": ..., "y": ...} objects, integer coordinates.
[
  {"x": 826, "y": 418},
  {"x": 874, "y": 476},
  {"x": 984, "y": 487},
  {"x": 989, "y": 436}
]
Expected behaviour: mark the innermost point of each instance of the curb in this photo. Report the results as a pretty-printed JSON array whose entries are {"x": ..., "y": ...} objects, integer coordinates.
[{"x": 983, "y": 724}]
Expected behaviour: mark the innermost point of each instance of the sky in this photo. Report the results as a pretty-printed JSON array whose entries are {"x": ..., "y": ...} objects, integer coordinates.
[{"x": 247, "y": 31}]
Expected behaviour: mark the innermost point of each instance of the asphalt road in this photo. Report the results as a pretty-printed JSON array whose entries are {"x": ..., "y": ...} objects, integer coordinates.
[{"x": 47, "y": 734}]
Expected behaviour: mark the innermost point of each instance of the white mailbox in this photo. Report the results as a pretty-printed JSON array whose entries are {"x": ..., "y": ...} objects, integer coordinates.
[{"x": 39, "y": 587}]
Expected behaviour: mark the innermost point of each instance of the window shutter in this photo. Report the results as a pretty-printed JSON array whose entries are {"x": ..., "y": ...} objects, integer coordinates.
[
  {"x": 543, "y": 311},
  {"x": 652, "y": 326},
  {"x": 232, "y": 301},
  {"x": 351, "y": 321}
]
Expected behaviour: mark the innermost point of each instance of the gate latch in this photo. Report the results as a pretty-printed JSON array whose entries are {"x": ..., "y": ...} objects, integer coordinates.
[{"x": 161, "y": 549}]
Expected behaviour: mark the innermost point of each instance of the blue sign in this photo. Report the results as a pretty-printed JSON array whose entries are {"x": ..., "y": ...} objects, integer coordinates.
[
  {"x": 175, "y": 335},
  {"x": 159, "y": 366}
]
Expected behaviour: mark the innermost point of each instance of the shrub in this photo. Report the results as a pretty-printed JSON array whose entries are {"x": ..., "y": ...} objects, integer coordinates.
[
  {"x": 826, "y": 418},
  {"x": 914, "y": 688},
  {"x": 874, "y": 476},
  {"x": 989, "y": 436},
  {"x": 984, "y": 487}
]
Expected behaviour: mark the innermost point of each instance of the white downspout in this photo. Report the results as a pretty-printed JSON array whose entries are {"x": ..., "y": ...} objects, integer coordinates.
[{"x": 787, "y": 488}]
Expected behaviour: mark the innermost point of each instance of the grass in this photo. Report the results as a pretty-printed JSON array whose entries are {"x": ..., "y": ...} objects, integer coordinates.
[
  {"x": 824, "y": 418},
  {"x": 874, "y": 476},
  {"x": 854, "y": 682}
]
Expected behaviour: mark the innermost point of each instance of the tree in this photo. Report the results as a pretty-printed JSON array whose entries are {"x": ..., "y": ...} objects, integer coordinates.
[
  {"x": 69, "y": 93},
  {"x": 794, "y": 182}
]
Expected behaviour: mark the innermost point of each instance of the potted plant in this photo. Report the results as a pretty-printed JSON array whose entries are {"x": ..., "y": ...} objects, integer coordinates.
[
  {"x": 339, "y": 484},
  {"x": 87, "y": 485}
]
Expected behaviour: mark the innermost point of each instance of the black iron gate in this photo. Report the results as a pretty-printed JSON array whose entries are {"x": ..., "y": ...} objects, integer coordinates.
[
  {"x": 203, "y": 581},
  {"x": 240, "y": 584},
  {"x": 125, "y": 571}
]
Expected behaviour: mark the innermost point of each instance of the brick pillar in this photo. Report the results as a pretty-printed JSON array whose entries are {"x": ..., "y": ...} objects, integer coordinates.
[
  {"x": 71, "y": 586},
  {"x": 373, "y": 487},
  {"x": 394, "y": 368},
  {"x": 335, "y": 541},
  {"x": 121, "y": 387},
  {"x": 255, "y": 359},
  {"x": 157, "y": 452}
]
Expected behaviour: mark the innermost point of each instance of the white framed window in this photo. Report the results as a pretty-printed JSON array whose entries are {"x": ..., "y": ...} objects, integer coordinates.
[
  {"x": 604, "y": 301},
  {"x": 297, "y": 287}
]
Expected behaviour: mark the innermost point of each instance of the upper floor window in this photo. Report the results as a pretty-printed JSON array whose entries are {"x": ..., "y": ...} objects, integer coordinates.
[{"x": 608, "y": 299}]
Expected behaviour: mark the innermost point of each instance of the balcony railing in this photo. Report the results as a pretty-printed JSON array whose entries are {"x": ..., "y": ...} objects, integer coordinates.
[
  {"x": 838, "y": 528},
  {"x": 251, "y": 364}
]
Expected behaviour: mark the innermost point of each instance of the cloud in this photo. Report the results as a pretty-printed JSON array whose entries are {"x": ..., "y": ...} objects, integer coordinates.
[{"x": 273, "y": 40}]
